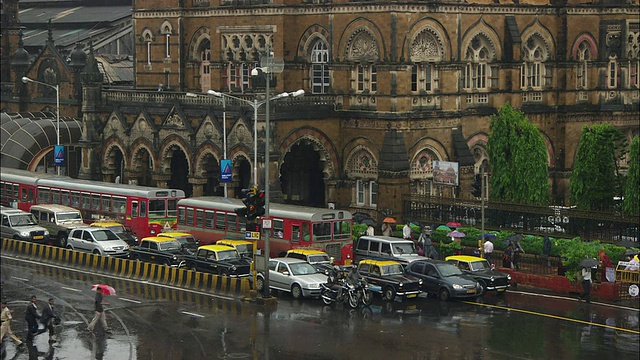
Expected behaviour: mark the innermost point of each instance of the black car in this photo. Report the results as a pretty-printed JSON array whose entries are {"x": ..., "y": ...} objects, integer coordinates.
[
  {"x": 161, "y": 250},
  {"x": 388, "y": 278},
  {"x": 444, "y": 279},
  {"x": 218, "y": 259},
  {"x": 479, "y": 268}
]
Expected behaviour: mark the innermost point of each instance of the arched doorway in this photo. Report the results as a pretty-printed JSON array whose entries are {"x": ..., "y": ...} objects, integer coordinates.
[
  {"x": 180, "y": 172},
  {"x": 301, "y": 176},
  {"x": 114, "y": 165},
  {"x": 242, "y": 169},
  {"x": 212, "y": 174},
  {"x": 143, "y": 167}
]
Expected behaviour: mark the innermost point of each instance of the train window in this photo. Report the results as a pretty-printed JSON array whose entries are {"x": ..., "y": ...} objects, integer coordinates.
[
  {"x": 86, "y": 201},
  {"x": 278, "y": 228},
  {"x": 208, "y": 223},
  {"x": 75, "y": 199},
  {"x": 341, "y": 230},
  {"x": 172, "y": 206},
  {"x": 23, "y": 198},
  {"x": 64, "y": 197},
  {"x": 220, "y": 224},
  {"x": 199, "y": 218},
  {"x": 106, "y": 203},
  {"x": 30, "y": 195},
  {"x": 322, "y": 231},
  {"x": 295, "y": 233},
  {"x": 189, "y": 217},
  {"x": 95, "y": 202},
  {"x": 16, "y": 189},
  {"x": 119, "y": 204},
  {"x": 181, "y": 216},
  {"x": 44, "y": 196},
  {"x": 143, "y": 209},
  {"x": 134, "y": 209},
  {"x": 306, "y": 232},
  {"x": 157, "y": 208},
  {"x": 242, "y": 223},
  {"x": 231, "y": 220},
  {"x": 55, "y": 196}
]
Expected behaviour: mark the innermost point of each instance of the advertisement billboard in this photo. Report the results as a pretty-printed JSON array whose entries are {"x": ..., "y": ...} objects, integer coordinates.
[{"x": 445, "y": 173}]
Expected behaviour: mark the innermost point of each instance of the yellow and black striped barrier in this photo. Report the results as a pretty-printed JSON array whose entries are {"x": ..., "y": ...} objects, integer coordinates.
[{"x": 205, "y": 282}]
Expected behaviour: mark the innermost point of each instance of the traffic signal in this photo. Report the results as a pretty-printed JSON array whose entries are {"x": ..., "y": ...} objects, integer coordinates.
[
  {"x": 248, "y": 196},
  {"x": 259, "y": 202},
  {"x": 476, "y": 184}
]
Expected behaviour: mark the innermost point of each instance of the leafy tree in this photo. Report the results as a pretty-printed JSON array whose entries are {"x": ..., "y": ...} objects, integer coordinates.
[
  {"x": 594, "y": 169},
  {"x": 518, "y": 158},
  {"x": 631, "y": 202}
]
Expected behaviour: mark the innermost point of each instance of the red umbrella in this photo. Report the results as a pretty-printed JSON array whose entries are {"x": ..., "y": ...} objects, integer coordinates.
[
  {"x": 389, "y": 220},
  {"x": 104, "y": 289},
  {"x": 453, "y": 224}
]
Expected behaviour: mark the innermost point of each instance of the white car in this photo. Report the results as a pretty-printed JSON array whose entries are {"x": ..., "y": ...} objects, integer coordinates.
[
  {"x": 100, "y": 241},
  {"x": 293, "y": 275}
]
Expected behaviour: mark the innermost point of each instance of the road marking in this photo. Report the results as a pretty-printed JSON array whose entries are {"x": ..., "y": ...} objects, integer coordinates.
[
  {"x": 192, "y": 314},
  {"x": 21, "y": 279},
  {"x": 554, "y": 317},
  {"x": 70, "y": 289},
  {"x": 130, "y": 300}
]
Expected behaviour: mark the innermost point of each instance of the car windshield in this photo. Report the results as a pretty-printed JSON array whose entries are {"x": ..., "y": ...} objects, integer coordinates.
[
  {"x": 449, "y": 270},
  {"x": 72, "y": 216},
  {"x": 302, "y": 269},
  {"x": 245, "y": 249},
  {"x": 22, "y": 220},
  {"x": 479, "y": 265},
  {"x": 228, "y": 255},
  {"x": 395, "y": 269},
  {"x": 118, "y": 229},
  {"x": 169, "y": 245},
  {"x": 404, "y": 248},
  {"x": 188, "y": 240},
  {"x": 104, "y": 235},
  {"x": 320, "y": 258}
]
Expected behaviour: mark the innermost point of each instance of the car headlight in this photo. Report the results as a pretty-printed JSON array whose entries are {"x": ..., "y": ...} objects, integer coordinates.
[
  {"x": 314, "y": 286},
  {"x": 457, "y": 287},
  {"x": 46, "y": 232},
  {"x": 492, "y": 279},
  {"x": 24, "y": 233},
  {"x": 107, "y": 248},
  {"x": 400, "y": 284},
  {"x": 420, "y": 281},
  {"x": 175, "y": 257},
  {"x": 509, "y": 277}
]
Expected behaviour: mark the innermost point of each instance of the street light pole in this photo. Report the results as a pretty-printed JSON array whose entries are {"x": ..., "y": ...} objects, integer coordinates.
[
  {"x": 57, "y": 89},
  {"x": 224, "y": 136}
]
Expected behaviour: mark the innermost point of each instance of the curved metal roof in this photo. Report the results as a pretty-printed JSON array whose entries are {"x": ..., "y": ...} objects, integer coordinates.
[{"x": 24, "y": 135}]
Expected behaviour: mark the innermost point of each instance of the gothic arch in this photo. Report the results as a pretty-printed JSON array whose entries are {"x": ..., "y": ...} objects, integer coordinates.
[
  {"x": 362, "y": 163},
  {"x": 207, "y": 149},
  {"x": 477, "y": 143},
  {"x": 426, "y": 46},
  {"x": 199, "y": 36},
  {"x": 112, "y": 143},
  {"x": 481, "y": 34},
  {"x": 425, "y": 147},
  {"x": 361, "y": 29},
  {"x": 147, "y": 35},
  {"x": 433, "y": 27},
  {"x": 539, "y": 32},
  {"x": 166, "y": 28},
  {"x": 320, "y": 142},
  {"x": 362, "y": 45},
  {"x": 590, "y": 41},
  {"x": 172, "y": 143},
  {"x": 309, "y": 37}
]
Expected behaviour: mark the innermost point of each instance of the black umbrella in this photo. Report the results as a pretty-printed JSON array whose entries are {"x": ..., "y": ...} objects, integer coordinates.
[
  {"x": 589, "y": 263},
  {"x": 368, "y": 222},
  {"x": 627, "y": 244},
  {"x": 631, "y": 252}
]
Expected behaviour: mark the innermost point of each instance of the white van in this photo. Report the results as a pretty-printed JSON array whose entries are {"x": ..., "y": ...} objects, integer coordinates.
[
  {"x": 386, "y": 248},
  {"x": 59, "y": 220}
]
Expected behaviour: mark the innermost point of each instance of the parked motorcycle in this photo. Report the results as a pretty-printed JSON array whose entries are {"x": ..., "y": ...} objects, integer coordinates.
[
  {"x": 363, "y": 293},
  {"x": 338, "y": 289}
]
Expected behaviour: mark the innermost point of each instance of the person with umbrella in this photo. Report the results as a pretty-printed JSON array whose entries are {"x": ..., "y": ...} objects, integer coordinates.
[
  {"x": 507, "y": 256},
  {"x": 387, "y": 226},
  {"x": 99, "y": 310},
  {"x": 586, "y": 279}
]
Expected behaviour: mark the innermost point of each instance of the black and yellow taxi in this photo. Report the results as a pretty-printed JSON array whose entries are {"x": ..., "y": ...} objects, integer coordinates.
[
  {"x": 187, "y": 241},
  {"x": 481, "y": 271},
  {"x": 388, "y": 278},
  {"x": 158, "y": 249},
  {"x": 318, "y": 258},
  {"x": 218, "y": 259},
  {"x": 244, "y": 247}
]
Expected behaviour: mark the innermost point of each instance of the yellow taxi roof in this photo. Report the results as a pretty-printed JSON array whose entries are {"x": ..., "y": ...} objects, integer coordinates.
[
  {"x": 158, "y": 239},
  {"x": 307, "y": 251},
  {"x": 106, "y": 224},
  {"x": 468, "y": 258},
  {"x": 234, "y": 241},
  {"x": 215, "y": 247},
  {"x": 379, "y": 262},
  {"x": 173, "y": 233}
]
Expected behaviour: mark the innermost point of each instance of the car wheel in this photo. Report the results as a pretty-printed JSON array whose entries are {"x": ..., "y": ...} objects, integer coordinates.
[
  {"x": 166, "y": 262},
  {"x": 69, "y": 246},
  {"x": 135, "y": 257},
  {"x": 192, "y": 267},
  {"x": 296, "y": 291},
  {"x": 62, "y": 239},
  {"x": 96, "y": 252},
  {"x": 259, "y": 283},
  {"x": 389, "y": 293},
  {"x": 224, "y": 273},
  {"x": 444, "y": 294},
  {"x": 483, "y": 288}
]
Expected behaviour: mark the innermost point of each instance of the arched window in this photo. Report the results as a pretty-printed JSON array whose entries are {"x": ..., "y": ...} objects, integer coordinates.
[
  {"x": 612, "y": 72},
  {"x": 532, "y": 71},
  {"x": 205, "y": 69},
  {"x": 319, "y": 68},
  {"x": 363, "y": 51},
  {"x": 166, "y": 30},
  {"x": 584, "y": 55},
  {"x": 479, "y": 55},
  {"x": 633, "y": 50},
  {"x": 147, "y": 38},
  {"x": 425, "y": 53},
  {"x": 363, "y": 168}
]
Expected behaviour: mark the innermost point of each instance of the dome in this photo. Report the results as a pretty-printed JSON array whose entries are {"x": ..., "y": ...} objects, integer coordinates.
[
  {"x": 78, "y": 57},
  {"x": 20, "y": 58}
]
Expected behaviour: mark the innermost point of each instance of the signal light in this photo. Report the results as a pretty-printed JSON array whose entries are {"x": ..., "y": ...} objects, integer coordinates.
[{"x": 259, "y": 203}]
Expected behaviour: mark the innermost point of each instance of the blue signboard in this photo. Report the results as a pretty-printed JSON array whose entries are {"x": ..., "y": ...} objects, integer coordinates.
[
  {"x": 58, "y": 155},
  {"x": 225, "y": 170}
]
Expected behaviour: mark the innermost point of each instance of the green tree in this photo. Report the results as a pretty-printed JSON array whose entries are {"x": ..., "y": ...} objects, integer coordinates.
[
  {"x": 518, "y": 158},
  {"x": 631, "y": 202},
  {"x": 594, "y": 168}
]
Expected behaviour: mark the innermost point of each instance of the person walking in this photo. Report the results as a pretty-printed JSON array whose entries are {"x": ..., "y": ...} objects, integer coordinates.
[
  {"x": 99, "y": 312},
  {"x": 387, "y": 229},
  {"x": 424, "y": 240},
  {"x": 546, "y": 249},
  {"x": 586, "y": 284},
  {"x": 32, "y": 316},
  {"x": 507, "y": 257},
  {"x": 7, "y": 319},
  {"x": 487, "y": 249},
  {"x": 406, "y": 231},
  {"x": 47, "y": 318}
]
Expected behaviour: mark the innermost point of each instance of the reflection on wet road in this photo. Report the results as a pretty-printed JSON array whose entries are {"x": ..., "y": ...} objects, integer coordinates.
[{"x": 154, "y": 322}]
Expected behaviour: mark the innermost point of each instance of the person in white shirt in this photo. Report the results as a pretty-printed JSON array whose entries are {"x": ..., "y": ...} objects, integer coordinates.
[
  {"x": 488, "y": 250},
  {"x": 370, "y": 231},
  {"x": 406, "y": 231},
  {"x": 586, "y": 284}
]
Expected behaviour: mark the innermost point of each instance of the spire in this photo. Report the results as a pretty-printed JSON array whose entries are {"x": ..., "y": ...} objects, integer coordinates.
[
  {"x": 91, "y": 72},
  {"x": 49, "y": 33}
]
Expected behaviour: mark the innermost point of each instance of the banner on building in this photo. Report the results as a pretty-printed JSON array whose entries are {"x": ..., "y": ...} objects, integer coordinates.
[
  {"x": 445, "y": 173},
  {"x": 225, "y": 170}
]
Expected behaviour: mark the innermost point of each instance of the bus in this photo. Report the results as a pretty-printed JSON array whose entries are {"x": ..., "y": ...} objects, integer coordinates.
[
  {"x": 144, "y": 210},
  {"x": 212, "y": 218}
]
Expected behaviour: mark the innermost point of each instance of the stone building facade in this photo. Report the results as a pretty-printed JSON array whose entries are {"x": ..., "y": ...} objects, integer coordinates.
[{"x": 390, "y": 87}]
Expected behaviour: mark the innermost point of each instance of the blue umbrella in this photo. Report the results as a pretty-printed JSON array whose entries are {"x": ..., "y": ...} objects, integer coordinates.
[{"x": 487, "y": 236}]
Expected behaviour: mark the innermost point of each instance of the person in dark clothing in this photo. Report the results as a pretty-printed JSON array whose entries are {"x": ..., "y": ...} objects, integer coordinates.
[
  {"x": 99, "y": 314},
  {"x": 546, "y": 249},
  {"x": 507, "y": 257},
  {"x": 32, "y": 316},
  {"x": 48, "y": 316}
]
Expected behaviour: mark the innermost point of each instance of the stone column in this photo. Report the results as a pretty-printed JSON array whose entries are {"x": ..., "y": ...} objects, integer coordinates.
[{"x": 197, "y": 183}]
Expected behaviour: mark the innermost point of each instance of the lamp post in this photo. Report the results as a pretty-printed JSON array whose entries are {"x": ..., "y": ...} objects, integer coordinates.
[{"x": 57, "y": 89}]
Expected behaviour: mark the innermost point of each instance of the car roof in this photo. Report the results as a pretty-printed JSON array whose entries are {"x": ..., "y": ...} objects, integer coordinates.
[
  {"x": 53, "y": 207},
  {"x": 379, "y": 262},
  {"x": 93, "y": 229},
  {"x": 105, "y": 224},
  {"x": 215, "y": 247},
  {"x": 158, "y": 239},
  {"x": 464, "y": 258},
  {"x": 289, "y": 260},
  {"x": 234, "y": 241},
  {"x": 173, "y": 233},
  {"x": 12, "y": 211},
  {"x": 307, "y": 251}
]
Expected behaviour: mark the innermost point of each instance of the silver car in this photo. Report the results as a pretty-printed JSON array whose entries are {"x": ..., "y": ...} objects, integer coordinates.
[
  {"x": 98, "y": 241},
  {"x": 293, "y": 275}
]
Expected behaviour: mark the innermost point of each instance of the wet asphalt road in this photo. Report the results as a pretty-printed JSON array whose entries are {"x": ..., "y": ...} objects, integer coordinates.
[{"x": 151, "y": 322}]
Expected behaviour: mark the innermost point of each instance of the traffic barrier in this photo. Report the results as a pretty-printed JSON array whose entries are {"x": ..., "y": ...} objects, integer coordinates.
[{"x": 93, "y": 263}]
